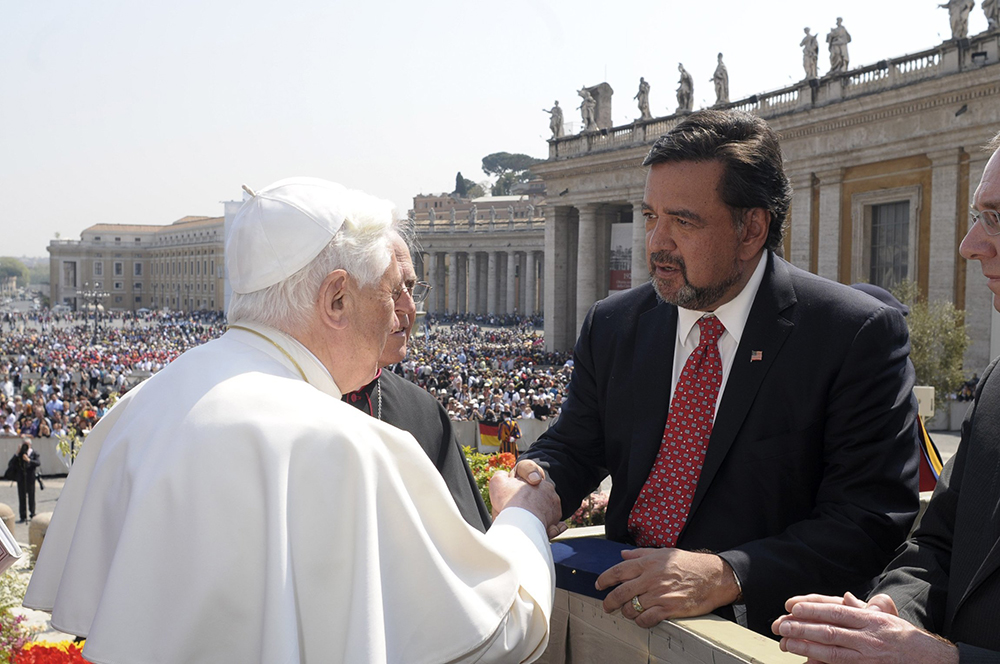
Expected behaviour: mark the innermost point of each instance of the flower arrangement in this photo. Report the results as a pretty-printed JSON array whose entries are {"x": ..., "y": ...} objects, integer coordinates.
[
  {"x": 63, "y": 652},
  {"x": 484, "y": 466},
  {"x": 591, "y": 512},
  {"x": 13, "y": 636}
]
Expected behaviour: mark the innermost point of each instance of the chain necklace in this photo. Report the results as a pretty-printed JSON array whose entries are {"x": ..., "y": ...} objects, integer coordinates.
[{"x": 378, "y": 386}]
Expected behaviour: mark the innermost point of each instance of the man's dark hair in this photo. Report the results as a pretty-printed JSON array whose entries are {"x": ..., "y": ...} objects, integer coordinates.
[{"x": 748, "y": 149}]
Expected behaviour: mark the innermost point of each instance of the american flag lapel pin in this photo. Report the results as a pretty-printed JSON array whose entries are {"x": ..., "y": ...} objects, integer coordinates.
[{"x": 756, "y": 356}]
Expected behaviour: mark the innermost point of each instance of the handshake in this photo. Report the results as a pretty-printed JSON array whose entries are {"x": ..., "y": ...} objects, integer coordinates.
[{"x": 526, "y": 487}]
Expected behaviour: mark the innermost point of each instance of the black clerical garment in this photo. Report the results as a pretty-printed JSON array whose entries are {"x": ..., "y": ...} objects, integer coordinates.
[{"x": 410, "y": 408}]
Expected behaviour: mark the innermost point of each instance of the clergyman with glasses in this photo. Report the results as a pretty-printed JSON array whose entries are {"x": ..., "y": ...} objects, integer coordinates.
[{"x": 393, "y": 399}]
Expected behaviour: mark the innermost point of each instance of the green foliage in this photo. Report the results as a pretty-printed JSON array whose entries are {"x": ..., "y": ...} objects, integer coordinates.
[
  {"x": 461, "y": 185},
  {"x": 509, "y": 169},
  {"x": 937, "y": 342},
  {"x": 475, "y": 190},
  {"x": 39, "y": 274},
  {"x": 13, "y": 584},
  {"x": 11, "y": 267}
]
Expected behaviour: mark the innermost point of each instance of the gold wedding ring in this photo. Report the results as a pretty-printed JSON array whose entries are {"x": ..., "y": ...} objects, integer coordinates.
[{"x": 636, "y": 605}]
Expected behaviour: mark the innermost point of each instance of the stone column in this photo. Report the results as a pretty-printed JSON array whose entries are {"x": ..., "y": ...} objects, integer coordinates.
[
  {"x": 540, "y": 288},
  {"x": 463, "y": 273},
  {"x": 452, "y": 282},
  {"x": 529, "y": 306},
  {"x": 491, "y": 283},
  {"x": 556, "y": 279},
  {"x": 432, "y": 279},
  {"x": 944, "y": 216},
  {"x": 830, "y": 186},
  {"x": 640, "y": 268},
  {"x": 474, "y": 306},
  {"x": 586, "y": 262},
  {"x": 801, "y": 219},
  {"x": 511, "y": 280}
]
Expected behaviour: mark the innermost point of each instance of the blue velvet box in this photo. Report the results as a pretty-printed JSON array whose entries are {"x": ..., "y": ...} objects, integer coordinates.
[{"x": 581, "y": 560}]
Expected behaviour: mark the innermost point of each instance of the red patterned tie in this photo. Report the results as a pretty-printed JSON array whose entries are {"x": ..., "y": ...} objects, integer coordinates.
[{"x": 662, "y": 508}]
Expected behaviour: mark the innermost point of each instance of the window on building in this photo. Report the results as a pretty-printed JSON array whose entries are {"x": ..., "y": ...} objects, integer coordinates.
[
  {"x": 138, "y": 299},
  {"x": 119, "y": 269},
  {"x": 97, "y": 238},
  {"x": 118, "y": 298},
  {"x": 138, "y": 239},
  {"x": 118, "y": 239},
  {"x": 137, "y": 286},
  {"x": 137, "y": 270},
  {"x": 119, "y": 285},
  {"x": 98, "y": 268},
  {"x": 890, "y": 244}
]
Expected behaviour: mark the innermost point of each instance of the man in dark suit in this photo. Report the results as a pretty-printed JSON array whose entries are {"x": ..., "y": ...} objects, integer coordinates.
[
  {"x": 946, "y": 580},
  {"x": 393, "y": 399},
  {"x": 806, "y": 473}
]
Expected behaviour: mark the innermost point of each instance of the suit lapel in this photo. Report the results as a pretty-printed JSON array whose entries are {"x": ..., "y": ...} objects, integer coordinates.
[
  {"x": 766, "y": 331},
  {"x": 990, "y": 565},
  {"x": 652, "y": 365}
]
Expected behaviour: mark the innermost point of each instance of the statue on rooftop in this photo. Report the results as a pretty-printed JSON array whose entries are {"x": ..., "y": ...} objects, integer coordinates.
[
  {"x": 992, "y": 10},
  {"x": 431, "y": 216},
  {"x": 958, "y": 14},
  {"x": 810, "y": 54},
  {"x": 685, "y": 91},
  {"x": 452, "y": 215},
  {"x": 721, "y": 80},
  {"x": 588, "y": 108},
  {"x": 838, "y": 38},
  {"x": 510, "y": 213},
  {"x": 493, "y": 215},
  {"x": 555, "y": 120},
  {"x": 643, "y": 97}
]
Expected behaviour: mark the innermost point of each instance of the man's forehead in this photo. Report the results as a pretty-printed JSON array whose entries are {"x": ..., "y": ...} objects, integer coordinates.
[{"x": 988, "y": 192}]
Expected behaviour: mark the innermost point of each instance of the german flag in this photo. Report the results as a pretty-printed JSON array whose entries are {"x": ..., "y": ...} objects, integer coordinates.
[
  {"x": 489, "y": 434},
  {"x": 930, "y": 460}
]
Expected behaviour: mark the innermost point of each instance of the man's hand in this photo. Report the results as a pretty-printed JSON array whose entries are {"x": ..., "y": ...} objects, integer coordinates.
[
  {"x": 834, "y": 629},
  {"x": 670, "y": 583},
  {"x": 530, "y": 472},
  {"x": 541, "y": 500}
]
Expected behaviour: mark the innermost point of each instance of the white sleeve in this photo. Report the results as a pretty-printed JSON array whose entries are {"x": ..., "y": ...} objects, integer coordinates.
[{"x": 523, "y": 632}]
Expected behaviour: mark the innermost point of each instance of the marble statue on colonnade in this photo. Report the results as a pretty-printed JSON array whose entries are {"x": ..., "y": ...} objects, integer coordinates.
[
  {"x": 510, "y": 214},
  {"x": 588, "y": 109},
  {"x": 555, "y": 120},
  {"x": 838, "y": 38},
  {"x": 810, "y": 54},
  {"x": 958, "y": 14},
  {"x": 721, "y": 80},
  {"x": 431, "y": 216},
  {"x": 493, "y": 215},
  {"x": 473, "y": 212},
  {"x": 643, "y": 97},
  {"x": 685, "y": 91},
  {"x": 992, "y": 10},
  {"x": 452, "y": 215}
]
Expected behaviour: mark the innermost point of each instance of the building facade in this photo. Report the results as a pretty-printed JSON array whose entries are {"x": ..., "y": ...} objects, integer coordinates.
[
  {"x": 884, "y": 160},
  {"x": 130, "y": 267},
  {"x": 482, "y": 255}
]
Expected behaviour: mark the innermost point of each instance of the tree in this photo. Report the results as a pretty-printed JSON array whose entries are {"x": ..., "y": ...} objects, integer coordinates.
[
  {"x": 461, "y": 188},
  {"x": 11, "y": 267},
  {"x": 508, "y": 169},
  {"x": 937, "y": 342}
]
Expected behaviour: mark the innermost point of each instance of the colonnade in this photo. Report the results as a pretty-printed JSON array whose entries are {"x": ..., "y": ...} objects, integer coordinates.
[{"x": 483, "y": 282}]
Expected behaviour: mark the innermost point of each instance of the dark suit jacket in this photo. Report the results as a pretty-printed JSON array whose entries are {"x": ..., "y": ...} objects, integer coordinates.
[
  {"x": 810, "y": 478},
  {"x": 410, "y": 408},
  {"x": 947, "y": 578}
]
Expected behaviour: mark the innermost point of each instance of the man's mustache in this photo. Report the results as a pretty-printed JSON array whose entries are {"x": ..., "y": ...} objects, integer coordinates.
[{"x": 665, "y": 258}]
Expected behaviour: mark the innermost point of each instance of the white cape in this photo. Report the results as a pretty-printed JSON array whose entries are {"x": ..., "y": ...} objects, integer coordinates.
[{"x": 228, "y": 511}]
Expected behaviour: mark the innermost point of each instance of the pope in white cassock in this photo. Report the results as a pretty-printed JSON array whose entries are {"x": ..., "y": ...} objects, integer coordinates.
[{"x": 232, "y": 509}]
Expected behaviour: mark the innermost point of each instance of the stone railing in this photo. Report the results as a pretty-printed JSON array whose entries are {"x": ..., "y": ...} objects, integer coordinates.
[
  {"x": 951, "y": 57},
  {"x": 422, "y": 226}
]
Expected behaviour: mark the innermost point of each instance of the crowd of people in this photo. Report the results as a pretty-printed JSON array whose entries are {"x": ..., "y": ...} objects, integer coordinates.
[
  {"x": 59, "y": 375},
  {"x": 481, "y": 373}
]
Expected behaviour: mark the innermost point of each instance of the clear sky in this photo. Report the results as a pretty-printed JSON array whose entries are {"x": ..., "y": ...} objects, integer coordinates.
[{"x": 126, "y": 111}]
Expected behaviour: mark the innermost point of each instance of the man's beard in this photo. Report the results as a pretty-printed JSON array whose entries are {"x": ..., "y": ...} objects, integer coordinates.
[{"x": 689, "y": 296}]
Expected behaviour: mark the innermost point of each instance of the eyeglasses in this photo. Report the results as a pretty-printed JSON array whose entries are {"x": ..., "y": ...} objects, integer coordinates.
[
  {"x": 418, "y": 291},
  {"x": 990, "y": 220}
]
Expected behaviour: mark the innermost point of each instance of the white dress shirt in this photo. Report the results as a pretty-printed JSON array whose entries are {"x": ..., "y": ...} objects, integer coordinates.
[{"x": 732, "y": 314}]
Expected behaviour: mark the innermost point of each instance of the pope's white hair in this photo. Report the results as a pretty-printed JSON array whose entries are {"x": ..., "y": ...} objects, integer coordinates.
[{"x": 362, "y": 248}]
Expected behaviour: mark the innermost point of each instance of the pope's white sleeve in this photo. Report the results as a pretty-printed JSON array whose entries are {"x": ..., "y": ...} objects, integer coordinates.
[{"x": 524, "y": 632}]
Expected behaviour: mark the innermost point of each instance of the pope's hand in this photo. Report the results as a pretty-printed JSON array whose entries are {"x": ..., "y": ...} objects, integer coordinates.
[
  {"x": 541, "y": 500},
  {"x": 670, "y": 583},
  {"x": 530, "y": 472}
]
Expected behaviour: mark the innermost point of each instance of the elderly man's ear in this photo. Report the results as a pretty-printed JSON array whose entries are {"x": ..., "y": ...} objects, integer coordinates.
[{"x": 334, "y": 296}]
